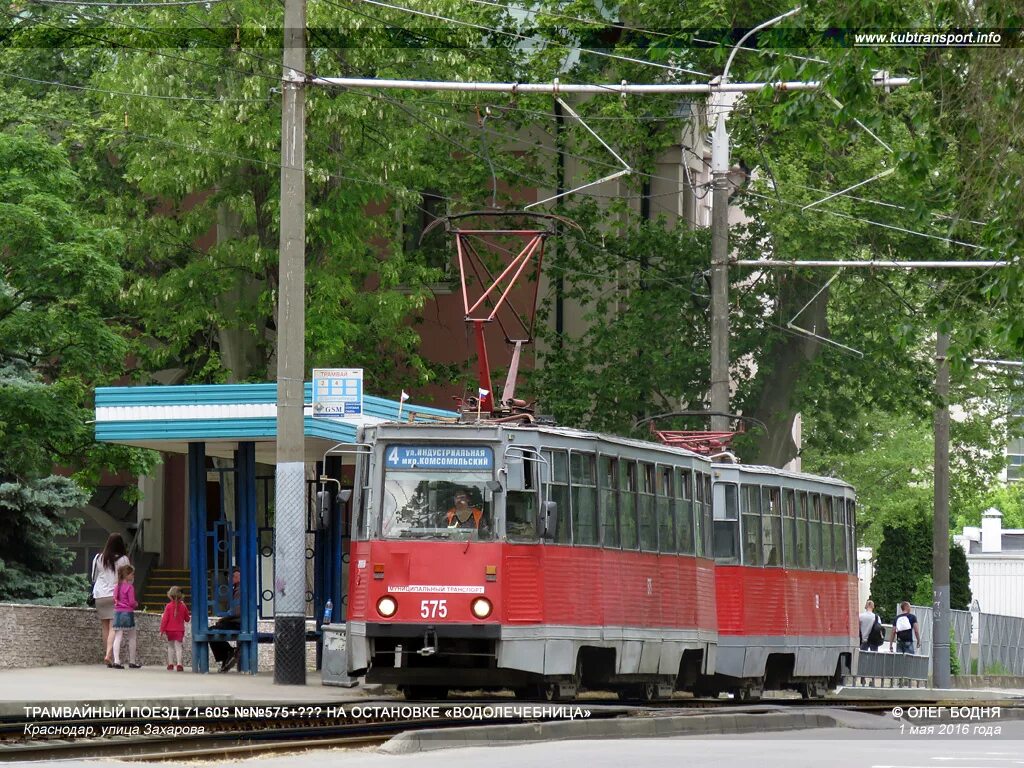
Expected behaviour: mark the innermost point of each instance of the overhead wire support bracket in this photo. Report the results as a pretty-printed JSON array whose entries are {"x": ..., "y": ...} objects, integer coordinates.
[{"x": 626, "y": 169}]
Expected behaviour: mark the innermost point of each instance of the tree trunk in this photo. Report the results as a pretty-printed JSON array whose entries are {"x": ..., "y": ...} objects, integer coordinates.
[
  {"x": 789, "y": 356},
  {"x": 241, "y": 346}
]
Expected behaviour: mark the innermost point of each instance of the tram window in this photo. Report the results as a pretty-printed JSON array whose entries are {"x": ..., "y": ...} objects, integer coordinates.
[
  {"x": 726, "y": 527},
  {"x": 839, "y": 534},
  {"x": 685, "y": 540},
  {"x": 771, "y": 526},
  {"x": 558, "y": 492},
  {"x": 686, "y": 484},
  {"x": 851, "y": 523},
  {"x": 666, "y": 514},
  {"x": 802, "y": 539},
  {"x": 828, "y": 562},
  {"x": 521, "y": 506},
  {"x": 684, "y": 516},
  {"x": 627, "y": 504},
  {"x": 645, "y": 508},
  {"x": 360, "y": 529},
  {"x": 752, "y": 525},
  {"x": 789, "y": 550},
  {"x": 584, "y": 499},
  {"x": 814, "y": 531},
  {"x": 608, "y": 476},
  {"x": 559, "y": 467}
]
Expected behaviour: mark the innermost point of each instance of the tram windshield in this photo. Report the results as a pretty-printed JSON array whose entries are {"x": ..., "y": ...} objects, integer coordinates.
[{"x": 429, "y": 505}]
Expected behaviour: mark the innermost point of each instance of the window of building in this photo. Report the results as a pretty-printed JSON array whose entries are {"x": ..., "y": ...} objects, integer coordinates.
[
  {"x": 434, "y": 251},
  {"x": 584, "y": 499}
]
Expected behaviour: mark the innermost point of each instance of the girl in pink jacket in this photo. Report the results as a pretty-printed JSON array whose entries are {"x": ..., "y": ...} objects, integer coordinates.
[
  {"x": 172, "y": 626},
  {"x": 124, "y": 616}
]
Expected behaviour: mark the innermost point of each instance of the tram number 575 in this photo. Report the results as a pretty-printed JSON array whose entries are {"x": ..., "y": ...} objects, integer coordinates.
[{"x": 433, "y": 609}]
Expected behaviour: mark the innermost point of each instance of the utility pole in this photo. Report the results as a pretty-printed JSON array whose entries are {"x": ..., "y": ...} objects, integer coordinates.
[
  {"x": 290, "y": 492},
  {"x": 720, "y": 380},
  {"x": 940, "y": 533}
]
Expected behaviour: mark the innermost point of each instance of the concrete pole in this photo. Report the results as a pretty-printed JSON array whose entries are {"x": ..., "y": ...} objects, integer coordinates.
[
  {"x": 720, "y": 276},
  {"x": 290, "y": 493},
  {"x": 720, "y": 242},
  {"x": 940, "y": 535}
]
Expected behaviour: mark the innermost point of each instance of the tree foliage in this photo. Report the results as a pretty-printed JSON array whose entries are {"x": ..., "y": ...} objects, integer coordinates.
[
  {"x": 59, "y": 281},
  {"x": 903, "y": 569}
]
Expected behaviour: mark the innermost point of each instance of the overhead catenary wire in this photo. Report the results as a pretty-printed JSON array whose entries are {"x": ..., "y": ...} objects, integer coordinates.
[{"x": 130, "y": 94}]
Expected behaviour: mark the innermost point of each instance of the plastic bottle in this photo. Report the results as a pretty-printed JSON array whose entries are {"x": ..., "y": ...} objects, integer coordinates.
[{"x": 328, "y": 610}]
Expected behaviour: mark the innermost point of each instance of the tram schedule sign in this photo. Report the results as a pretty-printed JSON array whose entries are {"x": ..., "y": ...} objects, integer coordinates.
[{"x": 337, "y": 392}]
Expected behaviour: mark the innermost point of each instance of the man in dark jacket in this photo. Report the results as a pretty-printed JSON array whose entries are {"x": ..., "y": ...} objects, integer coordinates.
[{"x": 223, "y": 652}]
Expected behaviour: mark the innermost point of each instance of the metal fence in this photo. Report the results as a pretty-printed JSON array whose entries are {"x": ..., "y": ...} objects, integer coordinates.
[
  {"x": 1000, "y": 644},
  {"x": 960, "y": 621},
  {"x": 891, "y": 669}
]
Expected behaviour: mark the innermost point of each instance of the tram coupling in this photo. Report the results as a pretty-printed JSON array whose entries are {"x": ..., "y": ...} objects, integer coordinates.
[{"x": 429, "y": 648}]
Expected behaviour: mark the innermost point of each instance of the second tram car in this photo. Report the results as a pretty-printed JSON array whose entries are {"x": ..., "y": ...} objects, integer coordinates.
[{"x": 546, "y": 560}]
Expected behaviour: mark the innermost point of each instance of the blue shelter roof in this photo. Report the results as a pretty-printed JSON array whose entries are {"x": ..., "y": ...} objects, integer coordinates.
[{"x": 168, "y": 418}]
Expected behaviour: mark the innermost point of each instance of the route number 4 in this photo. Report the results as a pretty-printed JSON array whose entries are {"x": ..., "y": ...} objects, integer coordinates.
[{"x": 433, "y": 609}]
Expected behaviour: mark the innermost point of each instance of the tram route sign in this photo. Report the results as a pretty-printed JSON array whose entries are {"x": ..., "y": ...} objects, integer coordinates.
[
  {"x": 466, "y": 457},
  {"x": 337, "y": 392}
]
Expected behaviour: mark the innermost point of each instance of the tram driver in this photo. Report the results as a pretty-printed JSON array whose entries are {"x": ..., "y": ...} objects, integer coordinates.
[{"x": 463, "y": 515}]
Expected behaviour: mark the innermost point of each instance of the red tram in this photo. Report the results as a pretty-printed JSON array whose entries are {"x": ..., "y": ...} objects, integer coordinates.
[{"x": 548, "y": 560}]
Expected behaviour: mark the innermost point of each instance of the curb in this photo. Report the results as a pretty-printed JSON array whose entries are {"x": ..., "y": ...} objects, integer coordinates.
[{"x": 616, "y": 728}]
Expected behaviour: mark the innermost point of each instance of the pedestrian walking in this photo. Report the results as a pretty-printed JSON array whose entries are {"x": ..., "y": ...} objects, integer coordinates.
[
  {"x": 124, "y": 617},
  {"x": 104, "y": 575},
  {"x": 172, "y": 626}
]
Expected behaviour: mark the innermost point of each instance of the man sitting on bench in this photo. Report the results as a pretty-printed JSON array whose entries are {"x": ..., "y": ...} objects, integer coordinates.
[{"x": 223, "y": 652}]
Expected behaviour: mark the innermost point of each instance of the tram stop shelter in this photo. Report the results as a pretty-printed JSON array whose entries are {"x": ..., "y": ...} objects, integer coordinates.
[{"x": 228, "y": 434}]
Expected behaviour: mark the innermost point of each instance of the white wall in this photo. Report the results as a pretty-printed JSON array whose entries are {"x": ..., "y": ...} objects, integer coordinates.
[{"x": 996, "y": 582}]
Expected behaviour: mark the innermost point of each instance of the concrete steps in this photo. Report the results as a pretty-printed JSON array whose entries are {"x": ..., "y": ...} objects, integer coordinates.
[{"x": 154, "y": 595}]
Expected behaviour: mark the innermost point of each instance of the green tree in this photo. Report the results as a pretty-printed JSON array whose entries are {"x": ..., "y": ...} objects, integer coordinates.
[
  {"x": 59, "y": 281},
  {"x": 903, "y": 569}
]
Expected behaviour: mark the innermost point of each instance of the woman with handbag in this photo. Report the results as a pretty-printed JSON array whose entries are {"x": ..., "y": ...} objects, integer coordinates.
[{"x": 104, "y": 574}]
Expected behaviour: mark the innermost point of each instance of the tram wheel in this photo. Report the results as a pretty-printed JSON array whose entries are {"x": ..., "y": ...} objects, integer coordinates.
[
  {"x": 639, "y": 692},
  {"x": 424, "y": 692},
  {"x": 749, "y": 693}
]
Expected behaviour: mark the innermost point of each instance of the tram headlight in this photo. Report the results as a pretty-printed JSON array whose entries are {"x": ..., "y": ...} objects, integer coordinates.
[
  {"x": 387, "y": 606},
  {"x": 481, "y": 607}
]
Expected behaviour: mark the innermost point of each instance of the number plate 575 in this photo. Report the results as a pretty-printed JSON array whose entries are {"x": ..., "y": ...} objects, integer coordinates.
[{"x": 433, "y": 609}]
